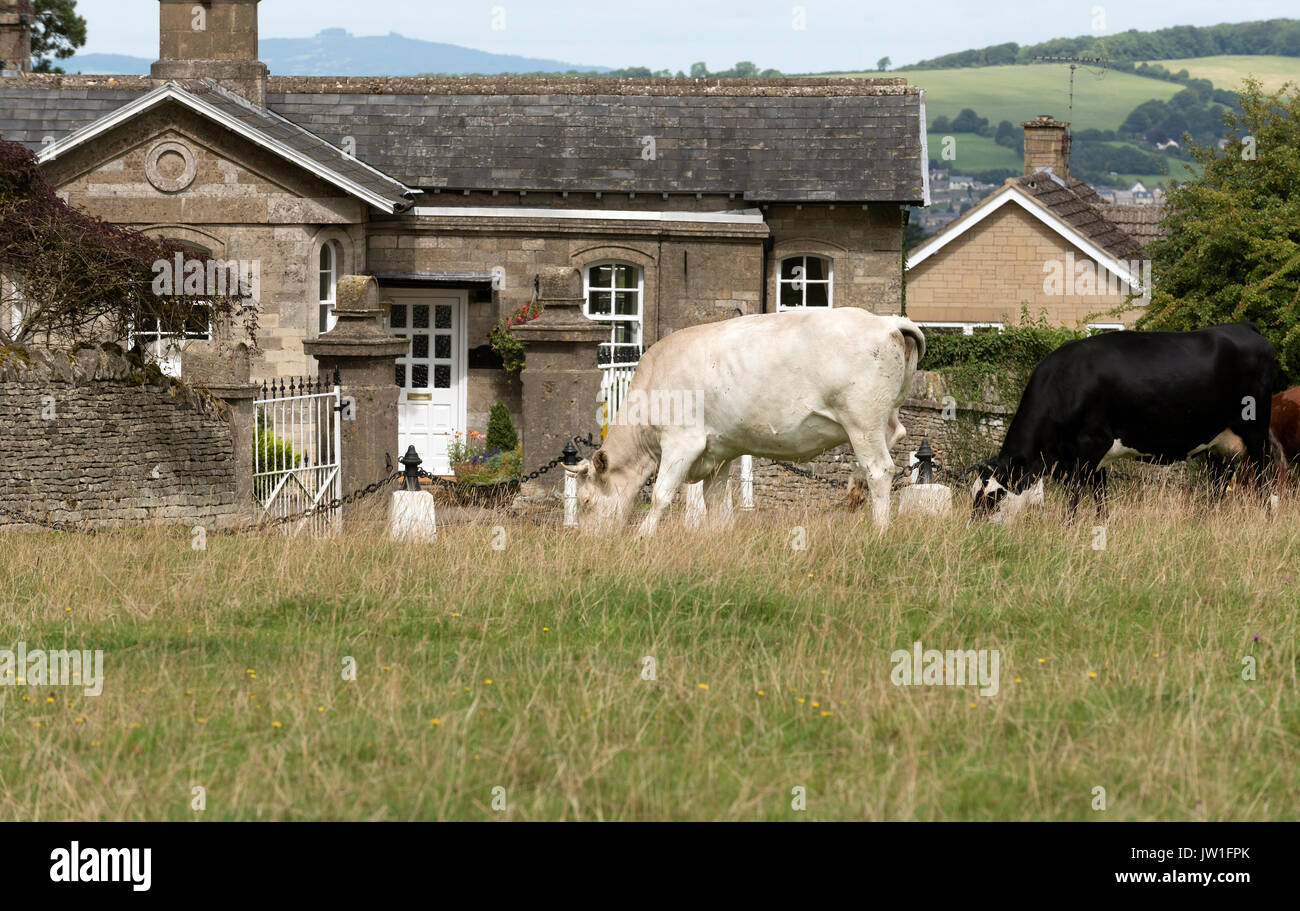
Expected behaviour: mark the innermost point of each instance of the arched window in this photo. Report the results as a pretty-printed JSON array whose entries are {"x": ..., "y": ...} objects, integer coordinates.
[
  {"x": 805, "y": 281},
  {"x": 164, "y": 343},
  {"x": 613, "y": 296},
  {"x": 329, "y": 284}
]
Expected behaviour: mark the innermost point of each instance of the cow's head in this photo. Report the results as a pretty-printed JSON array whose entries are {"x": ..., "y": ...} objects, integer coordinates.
[
  {"x": 1002, "y": 488},
  {"x": 602, "y": 504}
]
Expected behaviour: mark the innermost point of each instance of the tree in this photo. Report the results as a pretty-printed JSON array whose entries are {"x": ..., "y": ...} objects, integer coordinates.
[
  {"x": 501, "y": 434},
  {"x": 1231, "y": 244},
  {"x": 883, "y": 64},
  {"x": 75, "y": 279},
  {"x": 57, "y": 32},
  {"x": 699, "y": 70}
]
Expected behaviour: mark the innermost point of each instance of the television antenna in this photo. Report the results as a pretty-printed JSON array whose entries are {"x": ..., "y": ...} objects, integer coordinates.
[{"x": 1075, "y": 63}]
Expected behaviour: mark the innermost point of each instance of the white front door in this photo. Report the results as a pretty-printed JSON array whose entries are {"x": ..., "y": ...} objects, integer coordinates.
[{"x": 431, "y": 378}]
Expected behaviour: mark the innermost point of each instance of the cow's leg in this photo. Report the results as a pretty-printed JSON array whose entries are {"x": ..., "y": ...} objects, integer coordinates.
[
  {"x": 1099, "y": 493},
  {"x": 872, "y": 453},
  {"x": 672, "y": 471},
  {"x": 717, "y": 497}
]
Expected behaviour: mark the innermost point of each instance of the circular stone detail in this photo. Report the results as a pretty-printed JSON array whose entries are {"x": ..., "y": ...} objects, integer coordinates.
[{"x": 170, "y": 166}]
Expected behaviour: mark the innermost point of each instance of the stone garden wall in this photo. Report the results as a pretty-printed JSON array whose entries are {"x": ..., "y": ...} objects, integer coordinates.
[{"x": 91, "y": 438}]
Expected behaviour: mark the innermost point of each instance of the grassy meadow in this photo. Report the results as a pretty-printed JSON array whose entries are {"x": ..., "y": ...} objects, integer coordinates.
[
  {"x": 522, "y": 668},
  {"x": 1227, "y": 70}
]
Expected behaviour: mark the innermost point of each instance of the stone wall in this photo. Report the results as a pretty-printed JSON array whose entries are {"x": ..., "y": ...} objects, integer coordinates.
[{"x": 90, "y": 438}]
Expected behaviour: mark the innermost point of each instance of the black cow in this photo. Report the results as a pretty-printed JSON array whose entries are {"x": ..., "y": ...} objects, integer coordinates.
[{"x": 1155, "y": 396}]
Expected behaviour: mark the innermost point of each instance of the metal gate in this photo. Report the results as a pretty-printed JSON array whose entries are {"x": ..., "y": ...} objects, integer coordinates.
[
  {"x": 296, "y": 461},
  {"x": 614, "y": 383}
]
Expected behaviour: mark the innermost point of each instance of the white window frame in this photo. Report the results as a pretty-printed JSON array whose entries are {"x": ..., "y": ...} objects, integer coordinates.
[
  {"x": 325, "y": 305},
  {"x": 828, "y": 281},
  {"x": 1101, "y": 327},
  {"x": 613, "y": 318},
  {"x": 966, "y": 328},
  {"x": 166, "y": 348}
]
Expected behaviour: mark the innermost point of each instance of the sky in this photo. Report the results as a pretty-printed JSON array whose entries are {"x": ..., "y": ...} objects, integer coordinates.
[{"x": 673, "y": 34}]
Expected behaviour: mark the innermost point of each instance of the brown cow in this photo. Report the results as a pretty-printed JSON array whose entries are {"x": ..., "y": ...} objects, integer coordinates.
[{"x": 1284, "y": 431}]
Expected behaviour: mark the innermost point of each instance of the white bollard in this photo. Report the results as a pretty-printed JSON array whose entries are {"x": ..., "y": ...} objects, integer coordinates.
[
  {"x": 411, "y": 516},
  {"x": 695, "y": 504},
  {"x": 932, "y": 499},
  {"x": 570, "y": 500},
  {"x": 747, "y": 482}
]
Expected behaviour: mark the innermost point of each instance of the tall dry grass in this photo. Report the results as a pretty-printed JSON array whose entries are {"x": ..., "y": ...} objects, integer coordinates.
[{"x": 522, "y": 669}]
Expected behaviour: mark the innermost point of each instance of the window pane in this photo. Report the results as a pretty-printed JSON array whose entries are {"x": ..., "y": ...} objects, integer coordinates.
[
  {"x": 817, "y": 295},
  {"x": 326, "y": 260},
  {"x": 420, "y": 316},
  {"x": 625, "y": 277},
  {"x": 326, "y": 292},
  {"x": 397, "y": 316},
  {"x": 401, "y": 375},
  {"x": 324, "y": 319},
  {"x": 601, "y": 276},
  {"x": 600, "y": 302},
  {"x": 442, "y": 376},
  {"x": 791, "y": 296},
  {"x": 624, "y": 332},
  {"x": 419, "y": 346},
  {"x": 625, "y": 303},
  {"x": 442, "y": 347},
  {"x": 442, "y": 316},
  {"x": 815, "y": 269},
  {"x": 419, "y": 376},
  {"x": 789, "y": 265}
]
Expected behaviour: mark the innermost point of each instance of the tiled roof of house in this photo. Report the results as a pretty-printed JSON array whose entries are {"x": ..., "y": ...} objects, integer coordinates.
[
  {"x": 1078, "y": 205},
  {"x": 1142, "y": 223},
  {"x": 797, "y": 140}
]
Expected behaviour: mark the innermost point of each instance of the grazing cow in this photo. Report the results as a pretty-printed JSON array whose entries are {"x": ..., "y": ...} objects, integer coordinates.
[
  {"x": 1284, "y": 430},
  {"x": 1153, "y": 396},
  {"x": 778, "y": 385}
]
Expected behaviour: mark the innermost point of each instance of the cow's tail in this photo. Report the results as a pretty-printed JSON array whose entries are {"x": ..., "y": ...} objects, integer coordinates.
[{"x": 913, "y": 346}]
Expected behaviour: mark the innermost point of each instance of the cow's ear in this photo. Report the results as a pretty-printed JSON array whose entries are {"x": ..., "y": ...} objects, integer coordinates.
[{"x": 600, "y": 461}]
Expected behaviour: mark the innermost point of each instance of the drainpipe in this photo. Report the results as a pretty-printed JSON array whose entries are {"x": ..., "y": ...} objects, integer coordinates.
[{"x": 768, "y": 243}]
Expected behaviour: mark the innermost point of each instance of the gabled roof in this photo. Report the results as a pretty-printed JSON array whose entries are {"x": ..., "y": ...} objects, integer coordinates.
[
  {"x": 798, "y": 140},
  {"x": 1142, "y": 223},
  {"x": 1065, "y": 206},
  {"x": 262, "y": 127}
]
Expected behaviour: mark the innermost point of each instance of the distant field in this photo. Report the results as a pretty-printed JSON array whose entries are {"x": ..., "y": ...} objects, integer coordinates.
[
  {"x": 980, "y": 153},
  {"x": 1226, "y": 71},
  {"x": 1017, "y": 93}
]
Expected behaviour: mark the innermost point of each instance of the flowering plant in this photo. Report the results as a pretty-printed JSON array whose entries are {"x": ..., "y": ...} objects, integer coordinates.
[{"x": 503, "y": 341}]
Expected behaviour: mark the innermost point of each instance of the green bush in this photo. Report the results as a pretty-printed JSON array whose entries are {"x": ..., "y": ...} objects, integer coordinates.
[
  {"x": 501, "y": 430},
  {"x": 270, "y": 454}
]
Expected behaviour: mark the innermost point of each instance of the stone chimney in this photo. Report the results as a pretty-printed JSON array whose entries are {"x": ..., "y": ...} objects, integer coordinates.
[
  {"x": 216, "y": 38},
  {"x": 15, "y": 37},
  {"x": 1047, "y": 145}
]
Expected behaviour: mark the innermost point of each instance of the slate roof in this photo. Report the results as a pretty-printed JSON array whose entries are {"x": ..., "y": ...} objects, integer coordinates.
[
  {"x": 1078, "y": 205},
  {"x": 1142, "y": 223},
  {"x": 797, "y": 140}
]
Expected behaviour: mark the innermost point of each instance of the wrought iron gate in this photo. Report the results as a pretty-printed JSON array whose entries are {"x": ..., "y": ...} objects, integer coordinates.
[{"x": 296, "y": 461}]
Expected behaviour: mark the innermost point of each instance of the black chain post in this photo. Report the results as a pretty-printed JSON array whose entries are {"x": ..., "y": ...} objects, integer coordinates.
[
  {"x": 411, "y": 461},
  {"x": 570, "y": 454},
  {"x": 925, "y": 459}
]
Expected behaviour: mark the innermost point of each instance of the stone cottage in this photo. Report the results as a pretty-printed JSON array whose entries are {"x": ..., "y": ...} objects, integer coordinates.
[{"x": 681, "y": 201}]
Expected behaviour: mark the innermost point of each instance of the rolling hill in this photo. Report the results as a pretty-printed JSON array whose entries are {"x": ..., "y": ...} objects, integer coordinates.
[
  {"x": 1227, "y": 71},
  {"x": 336, "y": 52}
]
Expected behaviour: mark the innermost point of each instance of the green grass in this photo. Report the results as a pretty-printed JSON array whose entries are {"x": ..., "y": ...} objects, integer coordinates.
[
  {"x": 1226, "y": 71},
  {"x": 975, "y": 153},
  {"x": 1020, "y": 93},
  {"x": 1119, "y": 668}
]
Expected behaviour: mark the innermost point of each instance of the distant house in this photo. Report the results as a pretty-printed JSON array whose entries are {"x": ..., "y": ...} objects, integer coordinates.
[{"x": 1046, "y": 240}]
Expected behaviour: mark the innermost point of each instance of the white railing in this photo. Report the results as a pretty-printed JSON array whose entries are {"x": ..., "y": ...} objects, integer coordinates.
[
  {"x": 614, "y": 383},
  {"x": 297, "y": 431}
]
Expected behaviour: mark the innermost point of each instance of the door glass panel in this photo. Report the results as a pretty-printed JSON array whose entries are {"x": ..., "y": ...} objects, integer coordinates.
[
  {"x": 442, "y": 317},
  {"x": 442, "y": 376},
  {"x": 401, "y": 375},
  {"x": 397, "y": 316},
  {"x": 419, "y": 376},
  {"x": 419, "y": 346},
  {"x": 420, "y": 316},
  {"x": 442, "y": 347}
]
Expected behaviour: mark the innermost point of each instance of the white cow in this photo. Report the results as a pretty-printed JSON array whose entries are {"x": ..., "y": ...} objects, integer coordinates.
[{"x": 779, "y": 385}]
